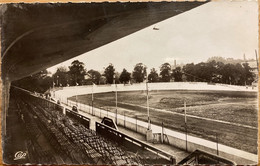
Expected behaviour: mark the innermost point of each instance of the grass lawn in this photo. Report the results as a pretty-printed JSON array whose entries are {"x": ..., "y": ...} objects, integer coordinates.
[{"x": 236, "y": 107}]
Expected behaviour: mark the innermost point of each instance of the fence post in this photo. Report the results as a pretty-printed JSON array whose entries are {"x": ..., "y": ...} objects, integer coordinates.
[
  {"x": 100, "y": 112},
  {"x": 92, "y": 107},
  {"x": 136, "y": 123},
  {"x": 89, "y": 108},
  {"x": 217, "y": 143},
  {"x": 186, "y": 131},
  {"x": 162, "y": 133},
  {"x": 124, "y": 119},
  {"x": 116, "y": 116},
  {"x": 107, "y": 112}
]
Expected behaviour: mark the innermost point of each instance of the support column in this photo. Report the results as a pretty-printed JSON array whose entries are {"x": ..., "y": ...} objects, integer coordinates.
[{"x": 5, "y": 102}]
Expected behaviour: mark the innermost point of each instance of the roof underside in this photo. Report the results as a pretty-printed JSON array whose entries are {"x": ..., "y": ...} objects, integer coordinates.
[{"x": 38, "y": 36}]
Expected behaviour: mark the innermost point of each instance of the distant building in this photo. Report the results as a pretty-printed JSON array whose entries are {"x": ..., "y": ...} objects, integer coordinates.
[
  {"x": 254, "y": 69},
  {"x": 175, "y": 65},
  {"x": 252, "y": 64}
]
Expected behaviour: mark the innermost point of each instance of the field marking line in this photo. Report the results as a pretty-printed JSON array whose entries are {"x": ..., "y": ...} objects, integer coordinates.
[
  {"x": 193, "y": 116},
  {"x": 214, "y": 120},
  {"x": 192, "y": 139}
]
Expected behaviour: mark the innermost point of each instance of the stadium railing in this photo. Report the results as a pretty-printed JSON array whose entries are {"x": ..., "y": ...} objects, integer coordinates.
[{"x": 122, "y": 138}]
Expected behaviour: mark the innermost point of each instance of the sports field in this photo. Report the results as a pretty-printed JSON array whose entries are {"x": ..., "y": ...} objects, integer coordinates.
[{"x": 208, "y": 112}]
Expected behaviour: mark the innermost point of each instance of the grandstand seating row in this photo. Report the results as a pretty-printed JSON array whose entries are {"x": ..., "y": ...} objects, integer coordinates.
[
  {"x": 80, "y": 144},
  {"x": 35, "y": 151}
]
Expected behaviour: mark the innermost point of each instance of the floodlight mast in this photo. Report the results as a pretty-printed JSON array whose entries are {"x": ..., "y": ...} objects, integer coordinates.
[
  {"x": 186, "y": 127},
  {"x": 92, "y": 96},
  {"x": 115, "y": 94},
  {"x": 147, "y": 103},
  {"x": 92, "y": 93}
]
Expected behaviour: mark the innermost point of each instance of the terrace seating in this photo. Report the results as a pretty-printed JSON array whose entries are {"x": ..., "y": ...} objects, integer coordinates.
[
  {"x": 71, "y": 139},
  {"x": 31, "y": 125}
]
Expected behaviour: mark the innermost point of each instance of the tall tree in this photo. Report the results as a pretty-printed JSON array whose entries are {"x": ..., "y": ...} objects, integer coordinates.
[
  {"x": 189, "y": 71},
  {"x": 177, "y": 74},
  {"x": 116, "y": 78},
  {"x": 44, "y": 84},
  {"x": 95, "y": 76},
  {"x": 39, "y": 82},
  {"x": 109, "y": 73},
  {"x": 229, "y": 74},
  {"x": 217, "y": 76},
  {"x": 153, "y": 76},
  {"x": 247, "y": 74},
  {"x": 139, "y": 72},
  {"x": 203, "y": 72},
  {"x": 125, "y": 76},
  {"x": 217, "y": 59},
  {"x": 61, "y": 77},
  {"x": 165, "y": 72},
  {"x": 77, "y": 72}
]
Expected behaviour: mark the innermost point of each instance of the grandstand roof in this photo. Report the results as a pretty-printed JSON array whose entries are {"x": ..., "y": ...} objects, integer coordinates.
[{"x": 38, "y": 36}]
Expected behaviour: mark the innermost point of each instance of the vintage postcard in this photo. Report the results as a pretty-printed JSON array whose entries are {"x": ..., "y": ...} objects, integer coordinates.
[{"x": 130, "y": 83}]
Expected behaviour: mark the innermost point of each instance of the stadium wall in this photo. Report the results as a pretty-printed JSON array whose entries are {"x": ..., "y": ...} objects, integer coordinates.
[
  {"x": 81, "y": 90},
  {"x": 175, "y": 138}
]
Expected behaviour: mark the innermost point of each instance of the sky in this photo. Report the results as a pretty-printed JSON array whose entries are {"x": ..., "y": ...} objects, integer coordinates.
[{"x": 220, "y": 28}]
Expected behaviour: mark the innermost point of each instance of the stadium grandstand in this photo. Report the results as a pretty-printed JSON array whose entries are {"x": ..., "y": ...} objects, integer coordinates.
[
  {"x": 53, "y": 137},
  {"x": 37, "y": 129}
]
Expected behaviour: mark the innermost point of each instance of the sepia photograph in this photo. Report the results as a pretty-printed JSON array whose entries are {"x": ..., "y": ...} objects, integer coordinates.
[{"x": 130, "y": 83}]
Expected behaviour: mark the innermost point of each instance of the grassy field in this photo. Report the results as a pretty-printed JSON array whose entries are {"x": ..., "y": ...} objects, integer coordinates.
[{"x": 235, "y": 107}]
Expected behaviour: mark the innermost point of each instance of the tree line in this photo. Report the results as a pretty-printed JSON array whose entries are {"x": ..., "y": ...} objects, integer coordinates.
[{"x": 211, "y": 71}]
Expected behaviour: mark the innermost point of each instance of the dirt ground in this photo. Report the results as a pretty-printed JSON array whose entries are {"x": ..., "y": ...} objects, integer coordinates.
[{"x": 239, "y": 108}]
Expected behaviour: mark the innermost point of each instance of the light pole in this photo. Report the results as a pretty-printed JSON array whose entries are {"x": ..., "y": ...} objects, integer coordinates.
[
  {"x": 185, "y": 119},
  {"x": 115, "y": 94},
  {"x": 149, "y": 133},
  {"x": 217, "y": 143},
  {"x": 76, "y": 100},
  {"x": 185, "y": 111},
  {"x": 92, "y": 96},
  {"x": 147, "y": 104},
  {"x": 256, "y": 58}
]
